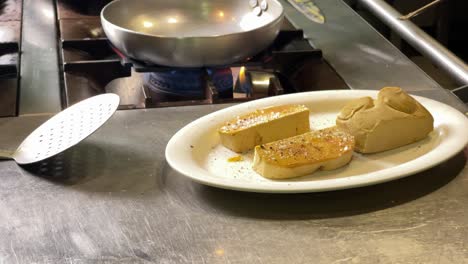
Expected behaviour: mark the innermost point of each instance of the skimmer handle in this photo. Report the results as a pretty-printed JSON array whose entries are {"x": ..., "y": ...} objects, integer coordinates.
[{"x": 6, "y": 154}]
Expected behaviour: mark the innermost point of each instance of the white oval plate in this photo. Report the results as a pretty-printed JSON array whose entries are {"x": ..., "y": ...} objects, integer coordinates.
[{"x": 195, "y": 150}]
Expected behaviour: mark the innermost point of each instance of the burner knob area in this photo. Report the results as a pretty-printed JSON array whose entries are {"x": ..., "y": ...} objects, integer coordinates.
[
  {"x": 188, "y": 84},
  {"x": 222, "y": 81},
  {"x": 258, "y": 84}
]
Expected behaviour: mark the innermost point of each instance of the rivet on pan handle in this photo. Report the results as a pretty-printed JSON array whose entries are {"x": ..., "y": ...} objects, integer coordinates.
[
  {"x": 257, "y": 11},
  {"x": 264, "y": 5}
]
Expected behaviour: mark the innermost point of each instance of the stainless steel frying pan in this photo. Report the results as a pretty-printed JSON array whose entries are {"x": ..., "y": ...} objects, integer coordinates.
[{"x": 191, "y": 33}]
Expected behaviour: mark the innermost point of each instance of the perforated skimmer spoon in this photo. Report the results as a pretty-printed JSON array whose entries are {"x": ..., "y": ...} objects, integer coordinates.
[{"x": 65, "y": 129}]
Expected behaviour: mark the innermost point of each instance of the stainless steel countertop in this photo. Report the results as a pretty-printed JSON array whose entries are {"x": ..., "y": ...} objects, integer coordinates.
[{"x": 114, "y": 199}]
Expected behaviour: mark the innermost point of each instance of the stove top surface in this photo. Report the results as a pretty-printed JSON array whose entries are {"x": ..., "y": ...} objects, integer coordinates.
[
  {"x": 91, "y": 66},
  {"x": 88, "y": 65}
]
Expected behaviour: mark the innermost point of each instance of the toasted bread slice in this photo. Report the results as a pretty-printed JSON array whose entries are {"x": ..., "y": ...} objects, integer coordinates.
[
  {"x": 325, "y": 149},
  {"x": 262, "y": 126}
]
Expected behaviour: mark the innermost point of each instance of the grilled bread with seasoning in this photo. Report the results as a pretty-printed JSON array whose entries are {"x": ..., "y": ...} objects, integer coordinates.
[
  {"x": 393, "y": 120},
  {"x": 265, "y": 125},
  {"x": 325, "y": 149}
]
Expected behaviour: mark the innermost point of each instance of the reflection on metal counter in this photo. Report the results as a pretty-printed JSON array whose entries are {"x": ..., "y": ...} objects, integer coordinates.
[{"x": 309, "y": 9}]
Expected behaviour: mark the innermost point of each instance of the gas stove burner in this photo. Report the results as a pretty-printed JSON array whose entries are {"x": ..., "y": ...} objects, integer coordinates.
[{"x": 187, "y": 84}]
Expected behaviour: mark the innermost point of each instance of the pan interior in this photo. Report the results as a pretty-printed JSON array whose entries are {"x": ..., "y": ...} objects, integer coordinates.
[{"x": 189, "y": 18}]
